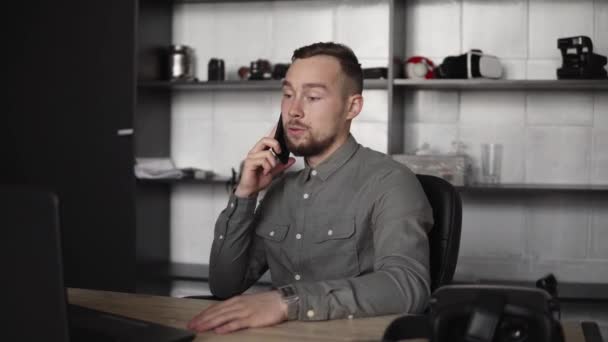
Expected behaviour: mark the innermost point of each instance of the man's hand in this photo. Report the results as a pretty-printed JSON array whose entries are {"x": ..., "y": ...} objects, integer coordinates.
[
  {"x": 260, "y": 167},
  {"x": 240, "y": 312}
]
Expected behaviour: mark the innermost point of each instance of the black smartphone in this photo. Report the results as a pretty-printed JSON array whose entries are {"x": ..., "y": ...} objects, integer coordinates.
[{"x": 279, "y": 135}]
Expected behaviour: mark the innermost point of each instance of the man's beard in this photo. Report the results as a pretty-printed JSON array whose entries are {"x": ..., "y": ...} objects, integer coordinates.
[{"x": 311, "y": 147}]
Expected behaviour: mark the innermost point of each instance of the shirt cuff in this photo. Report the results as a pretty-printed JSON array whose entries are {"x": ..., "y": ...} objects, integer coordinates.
[
  {"x": 239, "y": 206},
  {"x": 311, "y": 307}
]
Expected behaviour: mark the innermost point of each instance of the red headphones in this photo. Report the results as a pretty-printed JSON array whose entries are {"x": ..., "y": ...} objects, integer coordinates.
[{"x": 419, "y": 67}]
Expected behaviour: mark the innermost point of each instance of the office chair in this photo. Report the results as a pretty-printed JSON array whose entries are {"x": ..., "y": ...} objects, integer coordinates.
[{"x": 444, "y": 238}]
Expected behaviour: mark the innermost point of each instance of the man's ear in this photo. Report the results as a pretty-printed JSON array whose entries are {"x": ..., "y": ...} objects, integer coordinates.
[{"x": 355, "y": 105}]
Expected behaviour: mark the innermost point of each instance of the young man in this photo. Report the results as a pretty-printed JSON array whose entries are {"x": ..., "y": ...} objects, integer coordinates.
[{"x": 344, "y": 237}]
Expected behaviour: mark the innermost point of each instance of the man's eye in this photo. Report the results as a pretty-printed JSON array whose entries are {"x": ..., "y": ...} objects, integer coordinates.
[
  {"x": 313, "y": 98},
  {"x": 287, "y": 96}
]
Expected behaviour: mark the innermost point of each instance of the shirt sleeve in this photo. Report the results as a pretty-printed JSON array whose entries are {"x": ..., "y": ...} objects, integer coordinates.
[
  {"x": 400, "y": 283},
  {"x": 237, "y": 258}
]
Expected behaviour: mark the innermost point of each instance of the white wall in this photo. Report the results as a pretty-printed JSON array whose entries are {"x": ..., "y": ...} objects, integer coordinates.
[
  {"x": 215, "y": 130},
  {"x": 548, "y": 137}
]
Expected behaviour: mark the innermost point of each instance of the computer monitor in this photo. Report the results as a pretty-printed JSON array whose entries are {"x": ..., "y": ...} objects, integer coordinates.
[{"x": 35, "y": 298}]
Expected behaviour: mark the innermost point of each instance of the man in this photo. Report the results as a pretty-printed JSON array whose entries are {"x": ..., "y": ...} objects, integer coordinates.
[{"x": 344, "y": 237}]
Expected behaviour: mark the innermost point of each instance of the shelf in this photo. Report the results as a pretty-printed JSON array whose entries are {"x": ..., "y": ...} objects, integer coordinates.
[
  {"x": 239, "y": 85},
  {"x": 513, "y": 187},
  {"x": 484, "y": 84},
  {"x": 216, "y": 1},
  {"x": 215, "y": 180}
]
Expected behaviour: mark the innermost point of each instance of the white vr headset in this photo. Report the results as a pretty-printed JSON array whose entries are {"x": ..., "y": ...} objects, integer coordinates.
[{"x": 473, "y": 64}]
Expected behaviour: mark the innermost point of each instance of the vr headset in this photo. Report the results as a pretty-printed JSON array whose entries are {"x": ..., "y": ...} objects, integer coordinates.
[
  {"x": 473, "y": 64},
  {"x": 485, "y": 313}
]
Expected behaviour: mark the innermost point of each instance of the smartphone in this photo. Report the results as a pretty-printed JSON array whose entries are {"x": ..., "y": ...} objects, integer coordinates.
[{"x": 279, "y": 135}]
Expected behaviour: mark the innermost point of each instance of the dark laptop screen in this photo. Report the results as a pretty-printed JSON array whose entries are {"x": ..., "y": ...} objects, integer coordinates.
[{"x": 33, "y": 291}]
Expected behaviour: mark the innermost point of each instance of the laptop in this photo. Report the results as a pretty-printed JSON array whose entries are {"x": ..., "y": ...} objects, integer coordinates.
[{"x": 34, "y": 295}]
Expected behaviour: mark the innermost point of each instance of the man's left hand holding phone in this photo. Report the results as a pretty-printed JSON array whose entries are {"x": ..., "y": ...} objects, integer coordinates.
[
  {"x": 264, "y": 308},
  {"x": 262, "y": 163}
]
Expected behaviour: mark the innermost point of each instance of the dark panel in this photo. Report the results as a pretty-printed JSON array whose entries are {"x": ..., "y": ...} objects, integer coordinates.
[
  {"x": 397, "y": 54},
  {"x": 73, "y": 90},
  {"x": 152, "y": 134},
  {"x": 153, "y": 215},
  {"x": 153, "y": 123},
  {"x": 153, "y": 118}
]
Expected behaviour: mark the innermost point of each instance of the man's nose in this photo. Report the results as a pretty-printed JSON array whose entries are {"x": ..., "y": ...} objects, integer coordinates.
[{"x": 295, "y": 110}]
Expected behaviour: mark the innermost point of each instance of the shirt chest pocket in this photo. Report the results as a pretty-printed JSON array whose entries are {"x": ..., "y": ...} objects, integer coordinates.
[
  {"x": 272, "y": 233},
  {"x": 338, "y": 232},
  {"x": 334, "y": 245}
]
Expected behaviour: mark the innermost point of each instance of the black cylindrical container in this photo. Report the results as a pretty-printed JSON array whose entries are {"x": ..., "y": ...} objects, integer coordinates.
[{"x": 216, "y": 70}]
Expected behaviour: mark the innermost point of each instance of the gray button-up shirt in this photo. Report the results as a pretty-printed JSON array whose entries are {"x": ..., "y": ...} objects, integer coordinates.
[{"x": 350, "y": 236}]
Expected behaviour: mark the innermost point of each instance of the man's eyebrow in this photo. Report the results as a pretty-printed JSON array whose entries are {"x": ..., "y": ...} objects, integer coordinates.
[
  {"x": 314, "y": 85},
  {"x": 306, "y": 85}
]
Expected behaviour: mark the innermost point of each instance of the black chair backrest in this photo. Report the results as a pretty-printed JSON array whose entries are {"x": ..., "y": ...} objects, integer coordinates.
[{"x": 444, "y": 238}]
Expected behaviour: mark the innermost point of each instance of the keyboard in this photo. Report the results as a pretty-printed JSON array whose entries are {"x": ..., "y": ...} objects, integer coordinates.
[{"x": 96, "y": 326}]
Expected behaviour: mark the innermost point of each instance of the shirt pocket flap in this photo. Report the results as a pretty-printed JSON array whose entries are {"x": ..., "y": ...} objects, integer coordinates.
[
  {"x": 273, "y": 232},
  {"x": 339, "y": 229}
]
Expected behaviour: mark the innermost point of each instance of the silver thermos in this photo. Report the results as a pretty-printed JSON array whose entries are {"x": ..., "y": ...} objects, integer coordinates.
[{"x": 181, "y": 63}]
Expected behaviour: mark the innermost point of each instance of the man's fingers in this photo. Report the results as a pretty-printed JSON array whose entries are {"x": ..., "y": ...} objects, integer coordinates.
[
  {"x": 266, "y": 143},
  {"x": 282, "y": 167},
  {"x": 202, "y": 314},
  {"x": 232, "y": 326},
  {"x": 264, "y": 159},
  {"x": 221, "y": 319},
  {"x": 273, "y": 131},
  {"x": 213, "y": 310}
]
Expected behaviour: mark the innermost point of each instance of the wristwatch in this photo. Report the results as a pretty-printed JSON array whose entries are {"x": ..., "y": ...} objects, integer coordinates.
[{"x": 291, "y": 298}]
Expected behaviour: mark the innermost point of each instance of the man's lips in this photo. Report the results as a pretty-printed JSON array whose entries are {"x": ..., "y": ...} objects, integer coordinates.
[{"x": 295, "y": 130}]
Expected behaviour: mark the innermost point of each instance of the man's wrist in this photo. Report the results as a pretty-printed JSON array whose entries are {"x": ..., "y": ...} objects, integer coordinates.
[
  {"x": 291, "y": 300},
  {"x": 240, "y": 193}
]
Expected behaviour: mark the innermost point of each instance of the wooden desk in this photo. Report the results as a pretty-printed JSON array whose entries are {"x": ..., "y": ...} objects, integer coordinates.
[{"x": 177, "y": 312}]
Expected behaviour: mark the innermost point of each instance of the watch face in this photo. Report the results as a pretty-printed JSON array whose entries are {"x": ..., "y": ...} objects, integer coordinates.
[{"x": 287, "y": 291}]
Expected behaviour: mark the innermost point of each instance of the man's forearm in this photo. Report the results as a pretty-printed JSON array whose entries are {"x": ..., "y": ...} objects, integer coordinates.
[
  {"x": 390, "y": 290},
  {"x": 233, "y": 262}
]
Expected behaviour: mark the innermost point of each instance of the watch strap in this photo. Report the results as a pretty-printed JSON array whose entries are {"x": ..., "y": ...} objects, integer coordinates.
[{"x": 291, "y": 298}]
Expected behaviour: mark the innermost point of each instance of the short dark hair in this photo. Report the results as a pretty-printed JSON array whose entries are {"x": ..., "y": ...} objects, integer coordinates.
[{"x": 348, "y": 61}]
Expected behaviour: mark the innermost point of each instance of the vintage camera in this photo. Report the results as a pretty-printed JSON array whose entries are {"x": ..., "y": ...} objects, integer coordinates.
[
  {"x": 279, "y": 71},
  {"x": 578, "y": 59},
  {"x": 260, "y": 70}
]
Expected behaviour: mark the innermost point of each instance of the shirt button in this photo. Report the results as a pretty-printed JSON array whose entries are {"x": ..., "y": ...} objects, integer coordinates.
[
  {"x": 298, "y": 236},
  {"x": 350, "y": 316},
  {"x": 306, "y": 196},
  {"x": 221, "y": 237},
  {"x": 231, "y": 204},
  {"x": 314, "y": 172},
  {"x": 330, "y": 232},
  {"x": 297, "y": 277},
  {"x": 271, "y": 233},
  {"x": 310, "y": 314}
]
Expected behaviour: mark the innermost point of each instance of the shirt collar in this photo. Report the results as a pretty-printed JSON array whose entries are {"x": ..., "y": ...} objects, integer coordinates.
[{"x": 335, "y": 160}]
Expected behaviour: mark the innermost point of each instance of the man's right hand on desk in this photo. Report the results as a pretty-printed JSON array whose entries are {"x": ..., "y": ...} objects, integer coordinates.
[
  {"x": 260, "y": 167},
  {"x": 240, "y": 312}
]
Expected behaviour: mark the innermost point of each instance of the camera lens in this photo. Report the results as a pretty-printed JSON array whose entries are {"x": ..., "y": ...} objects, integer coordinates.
[{"x": 513, "y": 330}]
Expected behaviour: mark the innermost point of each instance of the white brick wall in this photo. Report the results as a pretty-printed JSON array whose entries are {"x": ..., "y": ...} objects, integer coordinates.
[
  {"x": 216, "y": 130},
  {"x": 554, "y": 137},
  {"x": 548, "y": 137}
]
